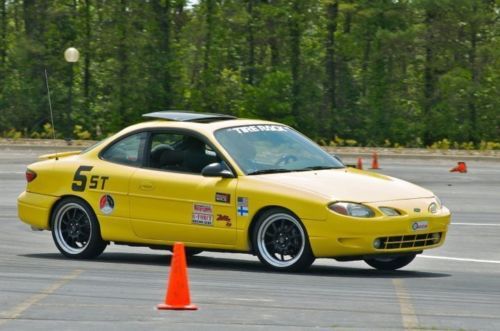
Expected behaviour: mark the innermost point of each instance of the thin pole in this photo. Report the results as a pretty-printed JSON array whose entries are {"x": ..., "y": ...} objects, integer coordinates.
[{"x": 50, "y": 106}]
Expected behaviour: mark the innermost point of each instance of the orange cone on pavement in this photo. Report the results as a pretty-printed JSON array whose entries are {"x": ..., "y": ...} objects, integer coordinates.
[
  {"x": 461, "y": 168},
  {"x": 177, "y": 296},
  {"x": 360, "y": 163},
  {"x": 375, "y": 161}
]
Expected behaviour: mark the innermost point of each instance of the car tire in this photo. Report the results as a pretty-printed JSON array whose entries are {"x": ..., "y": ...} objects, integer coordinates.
[
  {"x": 192, "y": 251},
  {"x": 75, "y": 230},
  {"x": 280, "y": 241},
  {"x": 390, "y": 263}
]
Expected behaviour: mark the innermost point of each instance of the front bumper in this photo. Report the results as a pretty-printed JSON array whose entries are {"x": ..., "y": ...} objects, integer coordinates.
[
  {"x": 34, "y": 209},
  {"x": 344, "y": 237}
]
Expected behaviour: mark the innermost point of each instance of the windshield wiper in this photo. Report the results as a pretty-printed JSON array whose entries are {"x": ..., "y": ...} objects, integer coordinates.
[
  {"x": 269, "y": 171},
  {"x": 319, "y": 168}
]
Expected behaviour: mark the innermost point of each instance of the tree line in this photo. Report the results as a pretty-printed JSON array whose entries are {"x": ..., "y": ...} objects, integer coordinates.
[{"x": 370, "y": 72}]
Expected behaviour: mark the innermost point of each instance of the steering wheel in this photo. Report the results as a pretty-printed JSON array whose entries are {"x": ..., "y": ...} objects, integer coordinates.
[{"x": 285, "y": 159}]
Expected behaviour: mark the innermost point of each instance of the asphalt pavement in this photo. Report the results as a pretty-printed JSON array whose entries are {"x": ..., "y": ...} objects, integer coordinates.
[{"x": 455, "y": 287}]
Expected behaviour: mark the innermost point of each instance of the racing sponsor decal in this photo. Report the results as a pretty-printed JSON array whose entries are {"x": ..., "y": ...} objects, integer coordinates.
[
  {"x": 258, "y": 128},
  {"x": 202, "y": 214},
  {"x": 106, "y": 204},
  {"x": 421, "y": 225},
  {"x": 222, "y": 197},
  {"x": 242, "y": 208},
  {"x": 224, "y": 218}
]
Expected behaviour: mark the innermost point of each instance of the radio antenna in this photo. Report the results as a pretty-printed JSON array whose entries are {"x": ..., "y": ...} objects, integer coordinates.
[{"x": 50, "y": 107}]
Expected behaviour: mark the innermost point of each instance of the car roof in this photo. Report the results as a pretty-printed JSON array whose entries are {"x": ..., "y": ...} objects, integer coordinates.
[{"x": 204, "y": 127}]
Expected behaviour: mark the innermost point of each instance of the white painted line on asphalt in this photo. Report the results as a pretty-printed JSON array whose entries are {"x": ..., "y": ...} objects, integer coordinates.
[
  {"x": 251, "y": 299},
  {"x": 14, "y": 313},
  {"x": 477, "y": 224},
  {"x": 410, "y": 320},
  {"x": 458, "y": 259},
  {"x": 11, "y": 172}
]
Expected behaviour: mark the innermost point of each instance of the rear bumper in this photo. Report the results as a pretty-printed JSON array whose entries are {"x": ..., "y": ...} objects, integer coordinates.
[{"x": 34, "y": 209}]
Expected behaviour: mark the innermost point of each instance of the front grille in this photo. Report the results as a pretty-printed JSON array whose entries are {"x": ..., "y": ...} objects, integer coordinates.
[{"x": 410, "y": 241}]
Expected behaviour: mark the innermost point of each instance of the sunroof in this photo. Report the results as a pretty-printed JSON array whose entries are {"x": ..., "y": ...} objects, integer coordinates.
[{"x": 189, "y": 116}]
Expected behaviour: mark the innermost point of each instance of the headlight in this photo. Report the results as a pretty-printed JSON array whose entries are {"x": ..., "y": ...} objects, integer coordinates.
[
  {"x": 436, "y": 206},
  {"x": 351, "y": 209},
  {"x": 389, "y": 211},
  {"x": 439, "y": 203}
]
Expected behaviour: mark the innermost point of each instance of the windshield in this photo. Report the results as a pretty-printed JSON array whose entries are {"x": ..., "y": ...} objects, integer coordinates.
[{"x": 260, "y": 149}]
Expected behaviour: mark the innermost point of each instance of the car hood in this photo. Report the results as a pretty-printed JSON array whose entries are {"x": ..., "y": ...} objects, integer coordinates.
[{"x": 347, "y": 185}]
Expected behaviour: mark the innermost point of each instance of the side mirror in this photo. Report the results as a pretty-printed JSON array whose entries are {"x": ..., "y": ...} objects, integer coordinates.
[{"x": 217, "y": 170}]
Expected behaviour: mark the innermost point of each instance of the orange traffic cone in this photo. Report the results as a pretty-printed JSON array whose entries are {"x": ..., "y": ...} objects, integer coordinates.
[
  {"x": 360, "y": 163},
  {"x": 461, "y": 168},
  {"x": 375, "y": 161},
  {"x": 177, "y": 296}
]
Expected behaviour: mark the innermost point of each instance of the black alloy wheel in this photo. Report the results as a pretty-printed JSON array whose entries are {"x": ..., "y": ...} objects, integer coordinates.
[
  {"x": 390, "y": 263},
  {"x": 75, "y": 230},
  {"x": 281, "y": 242}
]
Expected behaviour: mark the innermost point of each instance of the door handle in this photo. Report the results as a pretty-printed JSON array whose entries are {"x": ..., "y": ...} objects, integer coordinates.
[{"x": 146, "y": 186}]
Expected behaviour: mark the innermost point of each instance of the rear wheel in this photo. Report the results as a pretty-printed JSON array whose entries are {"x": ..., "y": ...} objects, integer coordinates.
[
  {"x": 281, "y": 242},
  {"x": 390, "y": 263},
  {"x": 75, "y": 230}
]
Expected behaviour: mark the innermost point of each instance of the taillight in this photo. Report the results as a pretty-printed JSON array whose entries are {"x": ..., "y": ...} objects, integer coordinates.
[{"x": 30, "y": 175}]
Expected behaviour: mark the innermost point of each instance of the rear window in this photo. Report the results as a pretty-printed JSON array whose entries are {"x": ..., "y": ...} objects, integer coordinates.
[{"x": 128, "y": 150}]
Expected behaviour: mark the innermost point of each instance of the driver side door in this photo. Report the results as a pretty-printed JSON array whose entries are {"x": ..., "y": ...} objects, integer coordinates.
[{"x": 171, "y": 201}]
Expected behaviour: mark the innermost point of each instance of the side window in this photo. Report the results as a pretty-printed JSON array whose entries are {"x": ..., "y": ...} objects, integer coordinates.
[
  {"x": 179, "y": 152},
  {"x": 127, "y": 151}
]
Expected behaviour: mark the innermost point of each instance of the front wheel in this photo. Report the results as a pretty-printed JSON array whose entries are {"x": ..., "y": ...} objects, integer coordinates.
[
  {"x": 75, "y": 230},
  {"x": 390, "y": 263},
  {"x": 281, "y": 242}
]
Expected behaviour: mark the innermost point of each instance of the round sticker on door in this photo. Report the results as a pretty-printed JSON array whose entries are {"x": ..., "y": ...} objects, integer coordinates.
[{"x": 107, "y": 204}]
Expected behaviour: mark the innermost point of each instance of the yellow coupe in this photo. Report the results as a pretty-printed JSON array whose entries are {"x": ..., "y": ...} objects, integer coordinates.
[{"x": 220, "y": 183}]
